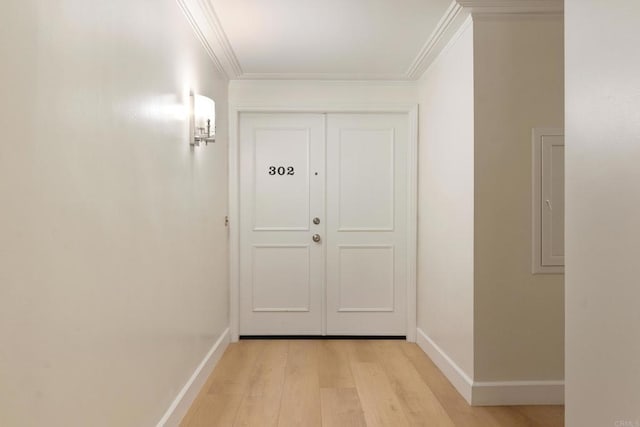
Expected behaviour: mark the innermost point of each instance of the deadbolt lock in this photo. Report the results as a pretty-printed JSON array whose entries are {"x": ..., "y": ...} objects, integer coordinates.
[{"x": 316, "y": 220}]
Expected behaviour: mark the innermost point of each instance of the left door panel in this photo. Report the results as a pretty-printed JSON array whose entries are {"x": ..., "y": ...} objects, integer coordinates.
[{"x": 281, "y": 191}]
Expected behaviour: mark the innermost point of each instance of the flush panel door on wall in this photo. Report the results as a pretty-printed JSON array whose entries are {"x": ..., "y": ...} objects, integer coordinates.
[
  {"x": 323, "y": 224},
  {"x": 553, "y": 200},
  {"x": 548, "y": 201}
]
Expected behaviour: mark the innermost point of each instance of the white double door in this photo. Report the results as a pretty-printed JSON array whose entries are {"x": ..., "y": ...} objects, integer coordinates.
[{"x": 323, "y": 224}]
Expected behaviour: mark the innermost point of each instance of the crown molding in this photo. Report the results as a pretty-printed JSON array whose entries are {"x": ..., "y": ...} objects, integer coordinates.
[
  {"x": 324, "y": 82},
  {"x": 227, "y": 50},
  {"x": 456, "y": 15},
  {"x": 513, "y": 6},
  {"x": 206, "y": 25},
  {"x": 200, "y": 35},
  {"x": 450, "y": 41},
  {"x": 324, "y": 76},
  {"x": 448, "y": 25}
]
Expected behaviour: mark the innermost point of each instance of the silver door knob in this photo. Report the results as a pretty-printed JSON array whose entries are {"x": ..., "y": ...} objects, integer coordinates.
[
  {"x": 316, "y": 220},
  {"x": 316, "y": 238}
]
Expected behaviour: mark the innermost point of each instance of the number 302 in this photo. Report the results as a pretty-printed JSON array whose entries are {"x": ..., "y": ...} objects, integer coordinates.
[{"x": 281, "y": 170}]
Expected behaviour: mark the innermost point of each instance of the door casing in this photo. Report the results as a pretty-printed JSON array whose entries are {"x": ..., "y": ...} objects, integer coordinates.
[{"x": 234, "y": 198}]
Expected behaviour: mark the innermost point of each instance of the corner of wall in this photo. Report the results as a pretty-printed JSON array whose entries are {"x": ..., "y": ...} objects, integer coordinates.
[
  {"x": 189, "y": 392},
  {"x": 446, "y": 109}
]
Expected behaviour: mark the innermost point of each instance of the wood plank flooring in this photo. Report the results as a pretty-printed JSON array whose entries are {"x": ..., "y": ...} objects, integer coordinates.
[{"x": 343, "y": 383}]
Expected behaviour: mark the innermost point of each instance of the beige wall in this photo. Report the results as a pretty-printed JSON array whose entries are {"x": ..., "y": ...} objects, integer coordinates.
[
  {"x": 445, "y": 209},
  {"x": 519, "y": 317},
  {"x": 603, "y": 213},
  {"x": 113, "y": 277}
]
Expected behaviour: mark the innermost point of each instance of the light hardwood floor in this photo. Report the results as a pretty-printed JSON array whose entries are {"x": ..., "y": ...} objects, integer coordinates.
[{"x": 343, "y": 383}]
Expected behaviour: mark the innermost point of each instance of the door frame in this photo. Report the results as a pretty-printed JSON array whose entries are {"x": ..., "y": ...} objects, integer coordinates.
[{"x": 411, "y": 110}]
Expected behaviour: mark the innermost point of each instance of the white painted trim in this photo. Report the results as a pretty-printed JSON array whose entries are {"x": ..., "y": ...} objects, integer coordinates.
[
  {"x": 330, "y": 83},
  {"x": 514, "y": 6},
  {"x": 451, "y": 41},
  {"x": 189, "y": 392},
  {"x": 323, "y": 76},
  {"x": 190, "y": 12},
  {"x": 231, "y": 60},
  {"x": 506, "y": 393},
  {"x": 536, "y": 201},
  {"x": 491, "y": 393},
  {"x": 412, "y": 226},
  {"x": 456, "y": 376},
  {"x": 234, "y": 196},
  {"x": 512, "y": 16},
  {"x": 447, "y": 27},
  {"x": 234, "y": 224},
  {"x": 320, "y": 109},
  {"x": 204, "y": 21}
]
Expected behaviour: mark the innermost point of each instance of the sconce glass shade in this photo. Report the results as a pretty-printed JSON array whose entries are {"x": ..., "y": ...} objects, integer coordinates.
[
  {"x": 205, "y": 109},
  {"x": 203, "y": 119}
]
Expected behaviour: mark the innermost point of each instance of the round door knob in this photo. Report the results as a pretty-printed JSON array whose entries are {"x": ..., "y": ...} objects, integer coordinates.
[{"x": 316, "y": 238}]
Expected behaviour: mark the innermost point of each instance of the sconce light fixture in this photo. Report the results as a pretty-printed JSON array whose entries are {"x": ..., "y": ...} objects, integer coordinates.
[{"x": 202, "y": 126}]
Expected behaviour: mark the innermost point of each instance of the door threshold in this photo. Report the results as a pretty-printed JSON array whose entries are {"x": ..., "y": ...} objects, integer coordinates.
[{"x": 323, "y": 337}]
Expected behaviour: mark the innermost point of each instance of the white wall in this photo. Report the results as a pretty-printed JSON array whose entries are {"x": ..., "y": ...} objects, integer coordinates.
[
  {"x": 301, "y": 93},
  {"x": 519, "y": 317},
  {"x": 445, "y": 207},
  {"x": 602, "y": 213},
  {"x": 113, "y": 252}
]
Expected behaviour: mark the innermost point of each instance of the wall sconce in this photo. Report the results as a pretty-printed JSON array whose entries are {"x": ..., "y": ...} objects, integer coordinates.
[{"x": 202, "y": 114}]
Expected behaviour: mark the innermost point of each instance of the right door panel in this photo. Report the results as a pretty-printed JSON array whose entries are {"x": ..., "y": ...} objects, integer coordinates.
[{"x": 366, "y": 224}]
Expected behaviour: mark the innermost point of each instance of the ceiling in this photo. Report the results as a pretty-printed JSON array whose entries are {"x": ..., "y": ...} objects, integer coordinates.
[
  {"x": 336, "y": 39},
  {"x": 326, "y": 39}
]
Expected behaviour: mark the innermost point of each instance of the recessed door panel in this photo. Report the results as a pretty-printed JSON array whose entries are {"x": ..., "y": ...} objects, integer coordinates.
[
  {"x": 281, "y": 179},
  {"x": 366, "y": 279},
  {"x": 281, "y": 278},
  {"x": 366, "y": 158},
  {"x": 553, "y": 200}
]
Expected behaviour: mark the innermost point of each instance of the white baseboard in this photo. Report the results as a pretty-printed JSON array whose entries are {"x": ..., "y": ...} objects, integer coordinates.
[
  {"x": 449, "y": 368},
  {"x": 491, "y": 393},
  {"x": 506, "y": 393},
  {"x": 189, "y": 392}
]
